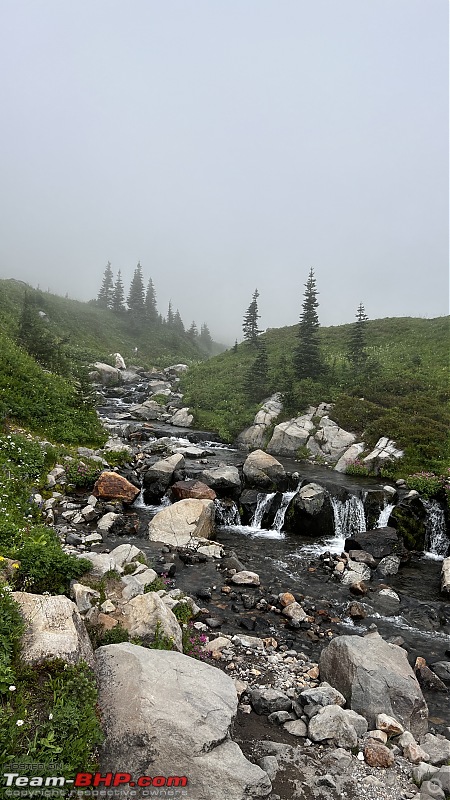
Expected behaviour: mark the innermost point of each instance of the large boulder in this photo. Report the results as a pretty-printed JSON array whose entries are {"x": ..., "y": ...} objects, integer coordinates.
[
  {"x": 111, "y": 486},
  {"x": 384, "y": 452},
  {"x": 54, "y": 629},
  {"x": 224, "y": 480},
  {"x": 333, "y": 440},
  {"x": 350, "y": 455},
  {"x": 105, "y": 374},
  {"x": 254, "y": 436},
  {"x": 147, "y": 410},
  {"x": 310, "y": 512},
  {"x": 263, "y": 471},
  {"x": 159, "y": 476},
  {"x": 380, "y": 542},
  {"x": 146, "y": 615},
  {"x": 182, "y": 418},
  {"x": 289, "y": 436},
  {"x": 375, "y": 678},
  {"x": 182, "y": 523},
  {"x": 165, "y": 713}
]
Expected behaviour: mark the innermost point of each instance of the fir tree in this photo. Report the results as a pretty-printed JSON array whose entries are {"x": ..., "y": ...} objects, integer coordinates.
[
  {"x": 356, "y": 344},
  {"x": 104, "y": 297},
  {"x": 151, "y": 311},
  {"x": 118, "y": 296},
  {"x": 170, "y": 314},
  {"x": 136, "y": 297},
  {"x": 256, "y": 378},
  {"x": 178, "y": 322},
  {"x": 307, "y": 357},
  {"x": 250, "y": 323},
  {"x": 193, "y": 331},
  {"x": 205, "y": 337}
]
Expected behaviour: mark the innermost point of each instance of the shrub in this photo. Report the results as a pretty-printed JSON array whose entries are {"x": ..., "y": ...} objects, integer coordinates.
[
  {"x": 357, "y": 467},
  {"x": 44, "y": 567},
  {"x": 427, "y": 483},
  {"x": 82, "y": 474}
]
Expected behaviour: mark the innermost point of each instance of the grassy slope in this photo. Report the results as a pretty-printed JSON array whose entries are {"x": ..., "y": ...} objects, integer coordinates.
[
  {"x": 95, "y": 332},
  {"x": 406, "y": 399},
  {"x": 48, "y": 403}
]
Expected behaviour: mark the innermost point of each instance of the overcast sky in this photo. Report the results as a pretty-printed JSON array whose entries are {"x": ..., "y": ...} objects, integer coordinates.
[{"x": 228, "y": 145}]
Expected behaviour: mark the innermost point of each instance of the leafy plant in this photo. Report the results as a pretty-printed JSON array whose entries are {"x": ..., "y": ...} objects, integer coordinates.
[{"x": 82, "y": 474}]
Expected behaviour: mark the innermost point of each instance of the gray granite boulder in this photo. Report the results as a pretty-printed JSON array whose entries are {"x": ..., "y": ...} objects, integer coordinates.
[{"x": 167, "y": 714}]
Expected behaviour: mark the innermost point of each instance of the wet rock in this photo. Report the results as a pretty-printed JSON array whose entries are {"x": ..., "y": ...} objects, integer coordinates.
[
  {"x": 295, "y": 612},
  {"x": 356, "y": 610},
  {"x": 388, "y": 566},
  {"x": 442, "y": 669},
  {"x": 246, "y": 578},
  {"x": 263, "y": 471},
  {"x": 224, "y": 480},
  {"x": 183, "y": 490},
  {"x": 379, "y": 542},
  {"x": 363, "y": 558},
  {"x": 158, "y": 477}
]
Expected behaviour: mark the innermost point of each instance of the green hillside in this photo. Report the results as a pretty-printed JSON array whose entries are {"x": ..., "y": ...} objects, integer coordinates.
[
  {"x": 43, "y": 359},
  {"x": 403, "y": 393}
]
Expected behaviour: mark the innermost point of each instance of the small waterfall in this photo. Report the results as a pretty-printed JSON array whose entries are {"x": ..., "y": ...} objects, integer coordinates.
[
  {"x": 227, "y": 513},
  {"x": 384, "y": 515},
  {"x": 284, "y": 505},
  {"x": 437, "y": 541},
  {"x": 349, "y": 517},
  {"x": 264, "y": 502}
]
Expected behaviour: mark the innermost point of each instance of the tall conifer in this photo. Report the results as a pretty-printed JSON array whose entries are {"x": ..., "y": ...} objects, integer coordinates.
[{"x": 307, "y": 357}]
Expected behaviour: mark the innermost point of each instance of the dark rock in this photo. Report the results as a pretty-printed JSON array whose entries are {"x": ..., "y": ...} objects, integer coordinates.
[
  {"x": 183, "y": 490},
  {"x": 379, "y": 543},
  {"x": 248, "y": 623},
  {"x": 204, "y": 593}
]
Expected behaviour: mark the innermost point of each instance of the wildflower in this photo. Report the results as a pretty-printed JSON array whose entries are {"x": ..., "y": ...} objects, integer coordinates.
[
  {"x": 12, "y": 688},
  {"x": 50, "y": 716},
  {"x": 19, "y": 722}
]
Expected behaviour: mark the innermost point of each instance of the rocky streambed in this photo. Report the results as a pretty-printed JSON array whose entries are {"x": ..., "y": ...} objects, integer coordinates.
[{"x": 292, "y": 570}]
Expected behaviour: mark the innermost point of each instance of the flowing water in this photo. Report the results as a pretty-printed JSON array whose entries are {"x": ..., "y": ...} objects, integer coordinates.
[
  {"x": 263, "y": 504},
  {"x": 384, "y": 515},
  {"x": 437, "y": 542}
]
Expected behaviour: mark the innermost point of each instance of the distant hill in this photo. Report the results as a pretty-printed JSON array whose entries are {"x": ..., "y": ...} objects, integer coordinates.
[
  {"x": 46, "y": 343},
  {"x": 404, "y": 392}
]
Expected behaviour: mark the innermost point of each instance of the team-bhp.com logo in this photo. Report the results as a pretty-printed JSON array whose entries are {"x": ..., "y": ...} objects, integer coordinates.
[{"x": 85, "y": 780}]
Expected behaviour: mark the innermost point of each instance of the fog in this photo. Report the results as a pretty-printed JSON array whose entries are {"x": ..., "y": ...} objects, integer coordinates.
[{"x": 229, "y": 145}]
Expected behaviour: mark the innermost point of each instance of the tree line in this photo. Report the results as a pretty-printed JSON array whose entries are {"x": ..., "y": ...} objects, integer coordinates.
[
  {"x": 307, "y": 360},
  {"x": 140, "y": 304}
]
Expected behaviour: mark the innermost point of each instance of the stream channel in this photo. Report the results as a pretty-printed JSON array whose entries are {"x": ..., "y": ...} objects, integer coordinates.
[{"x": 302, "y": 564}]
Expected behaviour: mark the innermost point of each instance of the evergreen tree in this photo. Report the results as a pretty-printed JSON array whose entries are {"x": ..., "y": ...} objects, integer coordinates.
[
  {"x": 136, "y": 296},
  {"x": 193, "y": 331},
  {"x": 250, "y": 323},
  {"x": 178, "y": 322},
  {"x": 356, "y": 344},
  {"x": 307, "y": 357},
  {"x": 256, "y": 378},
  {"x": 118, "y": 296},
  {"x": 104, "y": 297},
  {"x": 170, "y": 314},
  {"x": 205, "y": 337},
  {"x": 235, "y": 346},
  {"x": 151, "y": 311}
]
